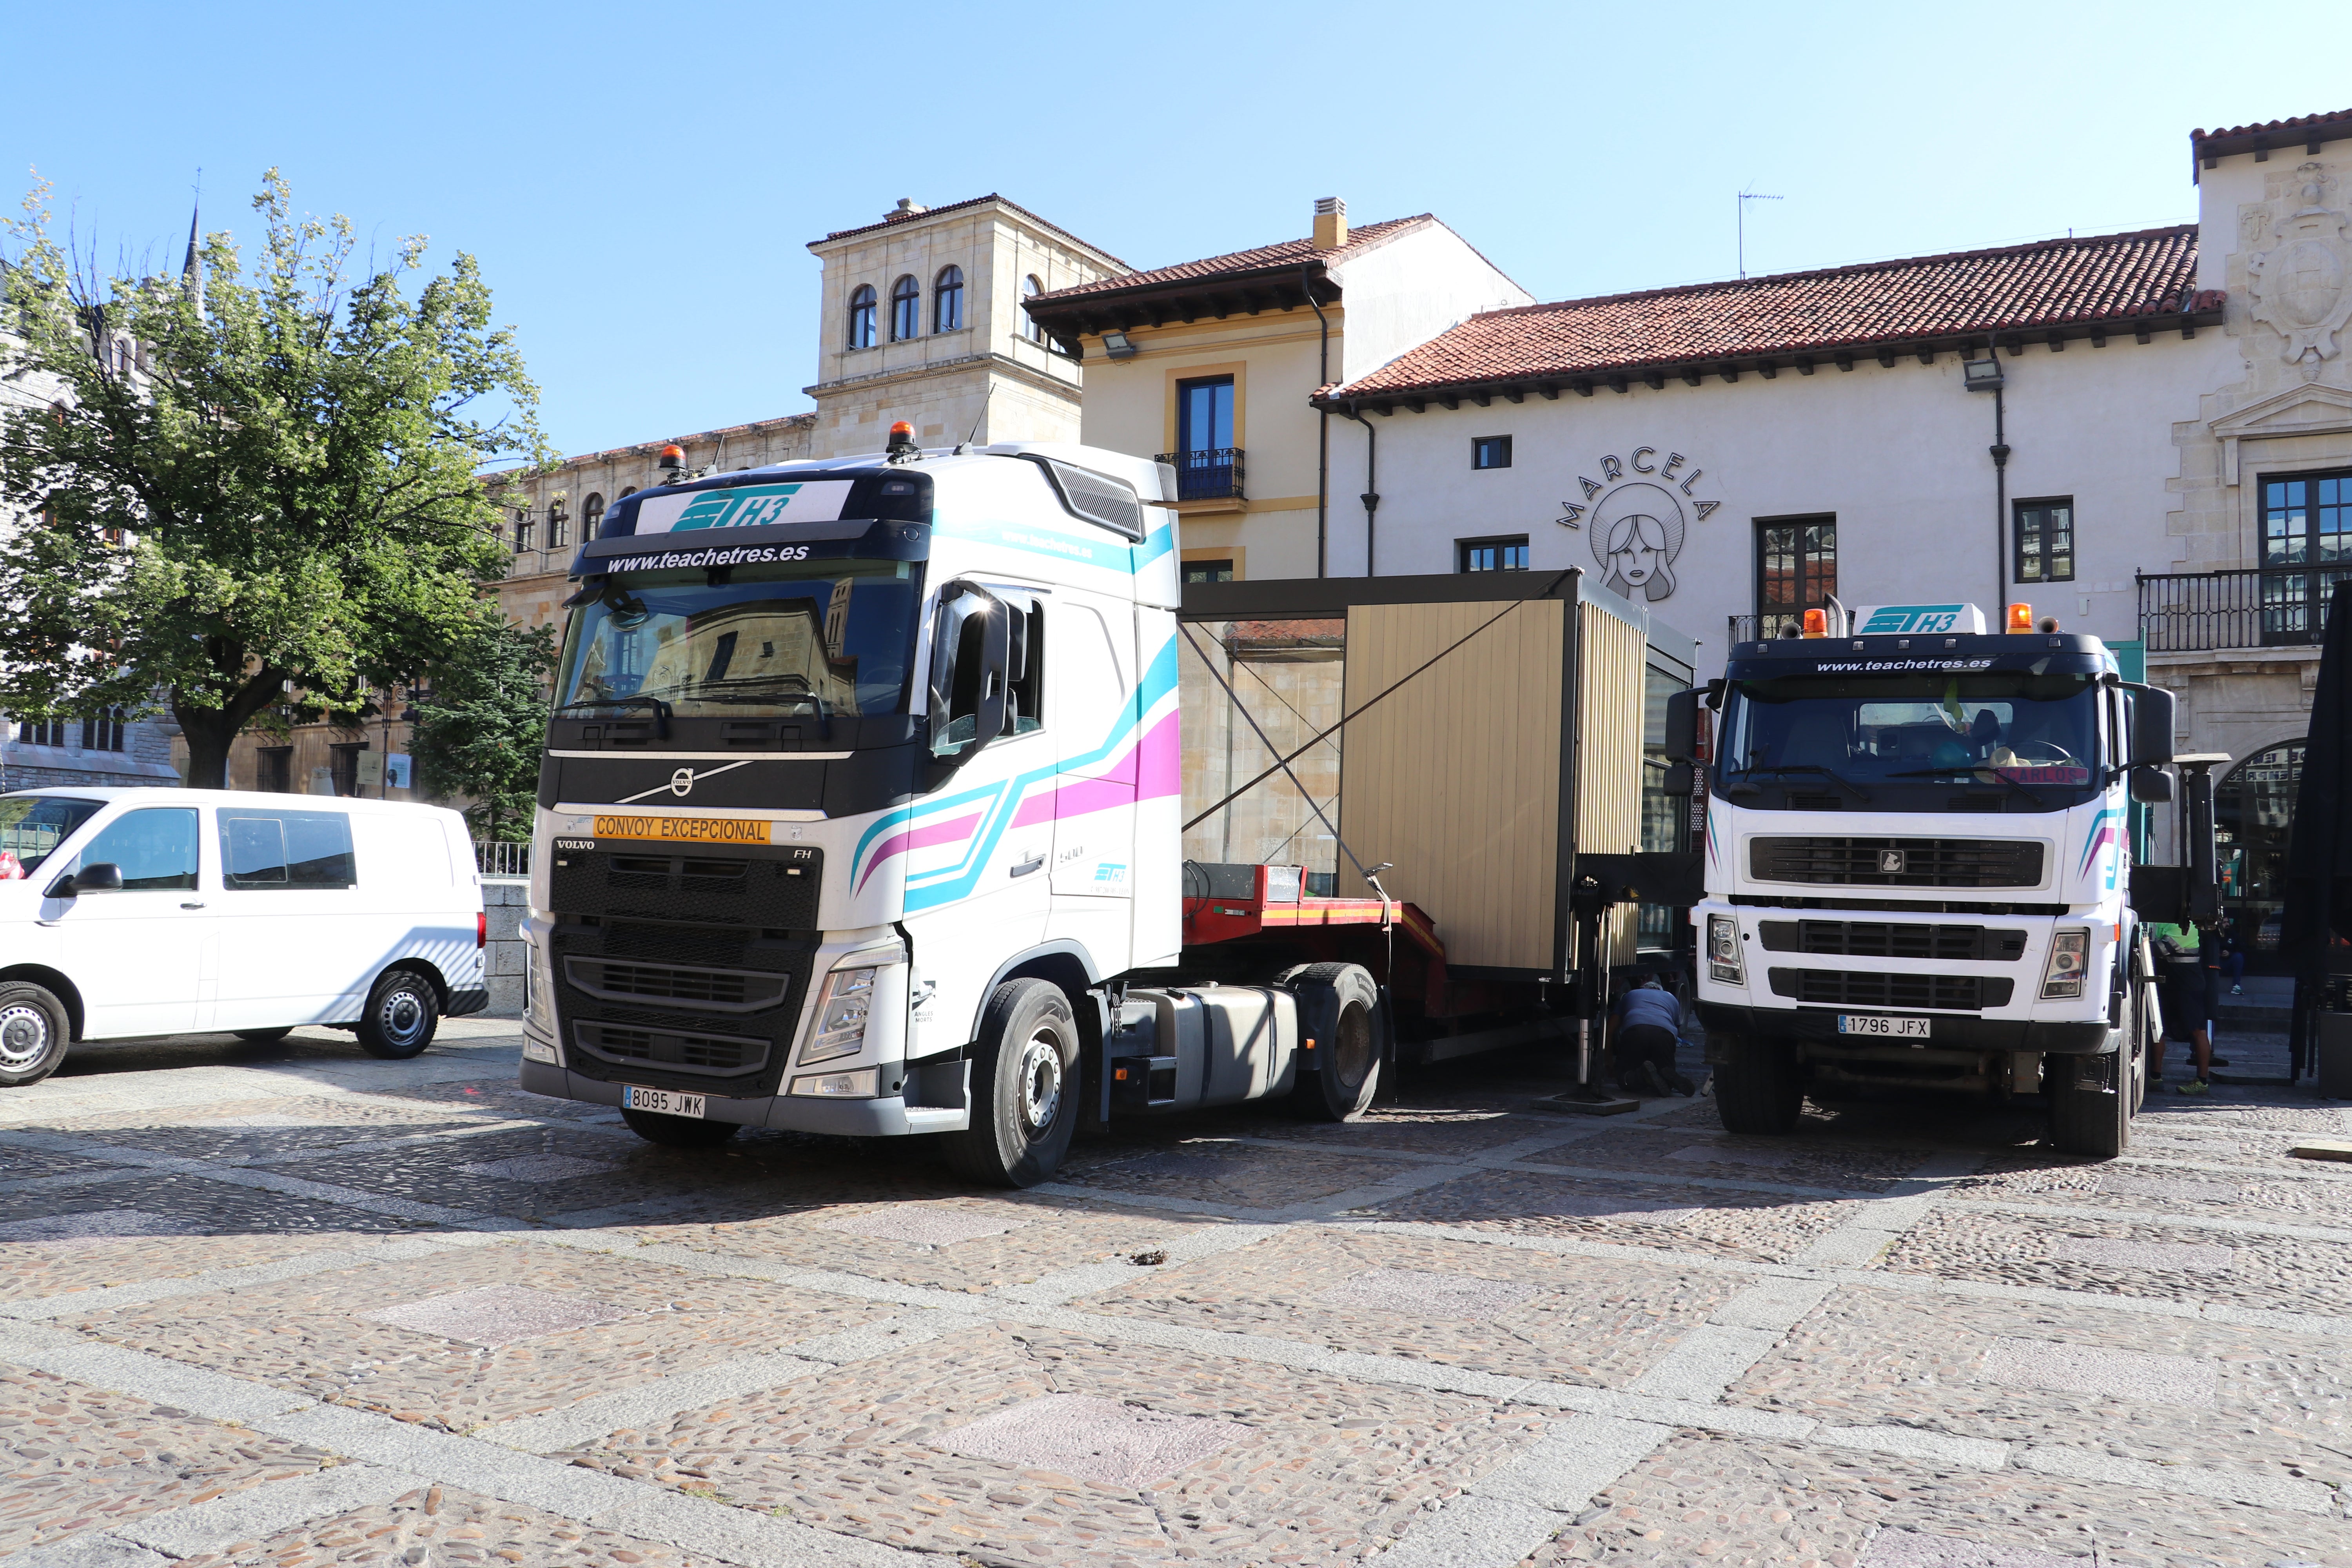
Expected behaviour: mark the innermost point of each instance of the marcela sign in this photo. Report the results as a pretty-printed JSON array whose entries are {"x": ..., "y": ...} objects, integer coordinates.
[{"x": 1641, "y": 510}]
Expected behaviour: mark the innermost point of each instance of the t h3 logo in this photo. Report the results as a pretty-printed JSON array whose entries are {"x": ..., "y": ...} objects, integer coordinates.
[{"x": 1638, "y": 524}]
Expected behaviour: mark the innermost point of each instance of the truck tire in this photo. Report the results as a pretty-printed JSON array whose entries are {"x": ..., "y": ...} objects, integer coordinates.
[
  {"x": 1756, "y": 1089},
  {"x": 678, "y": 1131},
  {"x": 1339, "y": 1010},
  {"x": 2090, "y": 1101},
  {"x": 33, "y": 1033},
  {"x": 402, "y": 1011},
  {"x": 1025, "y": 1091}
]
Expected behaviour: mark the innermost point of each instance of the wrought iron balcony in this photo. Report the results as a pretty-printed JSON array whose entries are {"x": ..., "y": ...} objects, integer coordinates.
[
  {"x": 1212, "y": 473},
  {"x": 2270, "y": 606}
]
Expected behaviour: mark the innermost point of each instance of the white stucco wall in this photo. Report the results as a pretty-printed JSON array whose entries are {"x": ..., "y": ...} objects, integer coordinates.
[
  {"x": 1897, "y": 455},
  {"x": 1403, "y": 293}
]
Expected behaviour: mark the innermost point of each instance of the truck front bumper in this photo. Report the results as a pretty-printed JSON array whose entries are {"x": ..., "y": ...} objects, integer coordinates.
[
  {"x": 2079, "y": 1038},
  {"x": 783, "y": 1112}
]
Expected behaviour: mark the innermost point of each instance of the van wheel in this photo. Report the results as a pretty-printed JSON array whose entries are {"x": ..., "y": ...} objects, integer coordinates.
[
  {"x": 33, "y": 1033},
  {"x": 402, "y": 1011},
  {"x": 263, "y": 1036},
  {"x": 1756, "y": 1089},
  {"x": 678, "y": 1131},
  {"x": 1025, "y": 1089},
  {"x": 1339, "y": 1010}
]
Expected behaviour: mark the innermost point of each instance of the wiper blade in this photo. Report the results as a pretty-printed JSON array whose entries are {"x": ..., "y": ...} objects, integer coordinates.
[
  {"x": 655, "y": 704},
  {"x": 1848, "y": 785},
  {"x": 1977, "y": 775}
]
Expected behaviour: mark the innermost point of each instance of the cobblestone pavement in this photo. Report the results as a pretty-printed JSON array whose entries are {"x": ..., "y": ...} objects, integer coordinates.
[{"x": 286, "y": 1305}]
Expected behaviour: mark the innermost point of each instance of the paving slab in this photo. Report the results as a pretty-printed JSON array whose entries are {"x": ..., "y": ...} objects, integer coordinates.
[{"x": 1705, "y": 1221}]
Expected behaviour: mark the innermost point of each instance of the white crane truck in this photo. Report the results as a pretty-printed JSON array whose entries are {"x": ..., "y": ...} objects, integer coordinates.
[
  {"x": 861, "y": 814},
  {"x": 1918, "y": 866}
]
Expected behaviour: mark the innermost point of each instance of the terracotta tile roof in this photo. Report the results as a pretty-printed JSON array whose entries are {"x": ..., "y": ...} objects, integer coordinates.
[
  {"x": 972, "y": 202},
  {"x": 1288, "y": 253},
  {"x": 2336, "y": 124},
  {"x": 2046, "y": 285}
]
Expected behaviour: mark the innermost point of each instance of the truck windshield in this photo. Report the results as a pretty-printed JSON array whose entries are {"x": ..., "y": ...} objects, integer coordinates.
[
  {"x": 1990, "y": 727},
  {"x": 834, "y": 636},
  {"x": 31, "y": 825}
]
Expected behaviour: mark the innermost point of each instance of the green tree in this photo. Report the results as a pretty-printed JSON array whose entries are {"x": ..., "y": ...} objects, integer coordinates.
[
  {"x": 285, "y": 495},
  {"x": 481, "y": 732}
]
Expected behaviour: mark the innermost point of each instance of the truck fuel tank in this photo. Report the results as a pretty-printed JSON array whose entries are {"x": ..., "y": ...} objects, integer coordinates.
[{"x": 1185, "y": 1046}]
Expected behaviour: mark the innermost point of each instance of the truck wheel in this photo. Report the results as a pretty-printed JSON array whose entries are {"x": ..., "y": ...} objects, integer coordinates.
[
  {"x": 1339, "y": 1010},
  {"x": 33, "y": 1033},
  {"x": 2090, "y": 1113},
  {"x": 1025, "y": 1091},
  {"x": 402, "y": 1011},
  {"x": 1758, "y": 1089},
  {"x": 678, "y": 1131}
]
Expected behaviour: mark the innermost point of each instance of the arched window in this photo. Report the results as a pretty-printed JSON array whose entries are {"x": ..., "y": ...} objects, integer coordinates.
[
  {"x": 906, "y": 314},
  {"x": 592, "y": 515},
  {"x": 559, "y": 524},
  {"x": 2254, "y": 810},
  {"x": 627, "y": 493},
  {"x": 946, "y": 300},
  {"x": 1030, "y": 289},
  {"x": 861, "y": 317}
]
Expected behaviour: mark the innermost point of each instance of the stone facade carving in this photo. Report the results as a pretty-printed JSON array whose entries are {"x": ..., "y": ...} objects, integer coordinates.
[{"x": 2302, "y": 287}]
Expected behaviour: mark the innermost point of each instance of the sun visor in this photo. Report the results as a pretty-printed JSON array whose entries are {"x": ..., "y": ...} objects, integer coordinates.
[{"x": 745, "y": 506}]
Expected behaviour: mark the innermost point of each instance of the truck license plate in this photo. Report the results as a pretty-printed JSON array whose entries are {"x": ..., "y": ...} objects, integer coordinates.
[
  {"x": 667, "y": 1102},
  {"x": 1874, "y": 1024}
]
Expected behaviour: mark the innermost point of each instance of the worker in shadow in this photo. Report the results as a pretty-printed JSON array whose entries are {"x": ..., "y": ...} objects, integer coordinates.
[{"x": 1644, "y": 1026}]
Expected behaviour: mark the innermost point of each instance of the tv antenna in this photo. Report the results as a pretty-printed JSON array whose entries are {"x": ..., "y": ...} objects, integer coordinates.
[{"x": 1745, "y": 197}]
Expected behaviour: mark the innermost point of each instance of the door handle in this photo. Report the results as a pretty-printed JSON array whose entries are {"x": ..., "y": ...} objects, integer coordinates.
[
  {"x": 1028, "y": 865},
  {"x": 194, "y": 904}
]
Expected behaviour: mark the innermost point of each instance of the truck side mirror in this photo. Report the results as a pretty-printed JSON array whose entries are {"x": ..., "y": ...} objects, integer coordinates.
[
  {"x": 1681, "y": 779},
  {"x": 1681, "y": 726},
  {"x": 2152, "y": 725},
  {"x": 970, "y": 652},
  {"x": 2151, "y": 786}
]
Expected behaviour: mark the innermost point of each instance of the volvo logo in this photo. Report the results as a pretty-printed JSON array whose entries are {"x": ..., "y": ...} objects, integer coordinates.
[
  {"x": 681, "y": 784},
  {"x": 1889, "y": 861}
]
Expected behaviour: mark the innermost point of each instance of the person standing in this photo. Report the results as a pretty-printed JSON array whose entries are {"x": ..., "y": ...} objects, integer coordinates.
[{"x": 2188, "y": 1007}]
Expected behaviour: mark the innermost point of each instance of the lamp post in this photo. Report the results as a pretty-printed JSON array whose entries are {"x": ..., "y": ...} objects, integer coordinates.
[{"x": 1985, "y": 376}]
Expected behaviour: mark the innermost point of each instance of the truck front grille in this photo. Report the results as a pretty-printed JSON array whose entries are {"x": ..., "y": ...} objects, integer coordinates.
[
  {"x": 1856, "y": 988},
  {"x": 765, "y": 888},
  {"x": 712, "y": 990},
  {"x": 1889, "y": 939},
  {"x": 1898, "y": 862},
  {"x": 677, "y": 1050}
]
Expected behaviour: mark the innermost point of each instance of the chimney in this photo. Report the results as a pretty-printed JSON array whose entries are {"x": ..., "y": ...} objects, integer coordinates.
[
  {"x": 904, "y": 210},
  {"x": 1330, "y": 223}
]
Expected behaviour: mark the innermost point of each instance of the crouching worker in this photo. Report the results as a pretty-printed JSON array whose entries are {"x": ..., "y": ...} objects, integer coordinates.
[{"x": 1644, "y": 1026}]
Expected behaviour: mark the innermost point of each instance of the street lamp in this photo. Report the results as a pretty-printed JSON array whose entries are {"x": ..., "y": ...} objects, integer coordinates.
[{"x": 1985, "y": 376}]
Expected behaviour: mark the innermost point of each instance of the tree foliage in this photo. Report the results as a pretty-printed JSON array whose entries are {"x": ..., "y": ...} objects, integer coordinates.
[
  {"x": 481, "y": 730},
  {"x": 286, "y": 495}
]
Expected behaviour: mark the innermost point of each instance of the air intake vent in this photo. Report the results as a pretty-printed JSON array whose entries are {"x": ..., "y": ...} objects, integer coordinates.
[
  {"x": 1855, "y": 988},
  {"x": 1898, "y": 862},
  {"x": 675, "y": 1050},
  {"x": 695, "y": 988},
  {"x": 1890, "y": 939}
]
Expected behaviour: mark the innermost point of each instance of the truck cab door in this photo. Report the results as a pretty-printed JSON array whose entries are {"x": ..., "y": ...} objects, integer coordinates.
[{"x": 1094, "y": 809}]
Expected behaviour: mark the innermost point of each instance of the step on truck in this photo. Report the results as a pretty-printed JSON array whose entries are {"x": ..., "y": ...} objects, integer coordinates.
[
  {"x": 1918, "y": 844},
  {"x": 902, "y": 795}
]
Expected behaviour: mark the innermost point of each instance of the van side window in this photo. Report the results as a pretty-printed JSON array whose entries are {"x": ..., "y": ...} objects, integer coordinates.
[
  {"x": 307, "y": 849},
  {"x": 156, "y": 848}
]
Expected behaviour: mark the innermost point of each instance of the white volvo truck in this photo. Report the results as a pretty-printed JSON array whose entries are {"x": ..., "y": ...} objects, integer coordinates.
[
  {"x": 1918, "y": 866},
  {"x": 861, "y": 814}
]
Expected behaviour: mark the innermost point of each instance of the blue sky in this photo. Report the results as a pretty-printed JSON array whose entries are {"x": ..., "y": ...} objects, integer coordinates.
[{"x": 640, "y": 184}]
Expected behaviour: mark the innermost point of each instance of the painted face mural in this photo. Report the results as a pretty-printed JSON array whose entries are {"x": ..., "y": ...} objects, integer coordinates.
[{"x": 1637, "y": 532}]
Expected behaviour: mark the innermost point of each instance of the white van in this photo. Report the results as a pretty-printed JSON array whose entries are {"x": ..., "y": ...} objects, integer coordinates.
[{"x": 126, "y": 912}]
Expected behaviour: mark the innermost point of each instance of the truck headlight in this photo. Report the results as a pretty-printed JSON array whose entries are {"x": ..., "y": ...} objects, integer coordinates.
[
  {"x": 843, "y": 1012},
  {"x": 2063, "y": 976},
  {"x": 1723, "y": 950},
  {"x": 537, "y": 992}
]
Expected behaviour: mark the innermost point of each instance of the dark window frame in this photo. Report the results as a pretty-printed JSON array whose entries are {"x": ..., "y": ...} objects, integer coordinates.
[
  {"x": 1031, "y": 285},
  {"x": 343, "y": 766},
  {"x": 103, "y": 731},
  {"x": 1483, "y": 446},
  {"x": 1208, "y": 571},
  {"x": 1186, "y": 437},
  {"x": 906, "y": 309},
  {"x": 947, "y": 299},
  {"x": 2042, "y": 555},
  {"x": 1813, "y": 587},
  {"x": 592, "y": 515},
  {"x": 273, "y": 770},
  {"x": 1501, "y": 545},
  {"x": 864, "y": 316}
]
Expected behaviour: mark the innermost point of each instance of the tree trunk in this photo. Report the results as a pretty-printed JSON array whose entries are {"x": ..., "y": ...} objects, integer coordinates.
[{"x": 209, "y": 732}]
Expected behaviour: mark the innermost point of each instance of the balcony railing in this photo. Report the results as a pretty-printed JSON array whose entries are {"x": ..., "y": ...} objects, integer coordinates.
[
  {"x": 2270, "y": 606},
  {"x": 1762, "y": 628},
  {"x": 1213, "y": 474}
]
